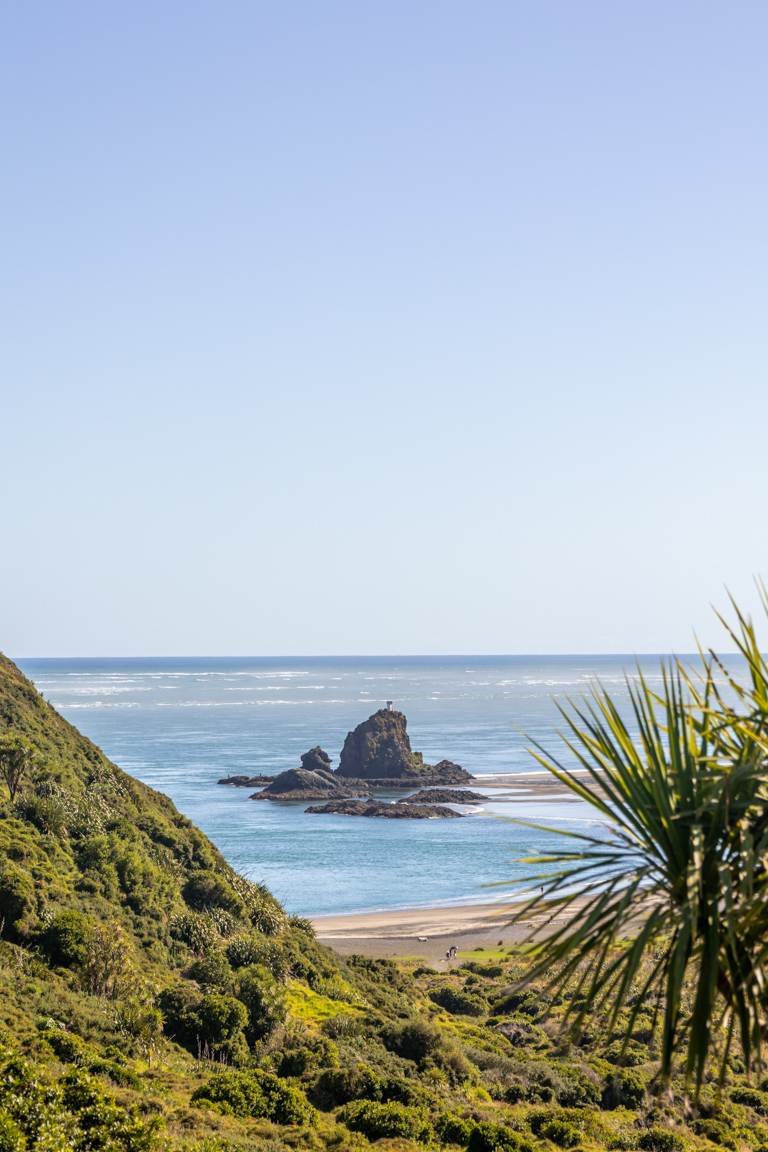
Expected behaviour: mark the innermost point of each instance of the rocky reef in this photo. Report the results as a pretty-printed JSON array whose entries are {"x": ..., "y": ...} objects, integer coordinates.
[
  {"x": 380, "y": 749},
  {"x": 377, "y": 808},
  {"x": 245, "y": 781},
  {"x": 304, "y": 783},
  {"x": 444, "y": 796}
]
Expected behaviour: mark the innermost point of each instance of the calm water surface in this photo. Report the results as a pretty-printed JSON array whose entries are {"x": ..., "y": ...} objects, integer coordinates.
[{"x": 180, "y": 724}]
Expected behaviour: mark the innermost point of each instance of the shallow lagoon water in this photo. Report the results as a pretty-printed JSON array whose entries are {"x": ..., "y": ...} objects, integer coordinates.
[{"x": 180, "y": 724}]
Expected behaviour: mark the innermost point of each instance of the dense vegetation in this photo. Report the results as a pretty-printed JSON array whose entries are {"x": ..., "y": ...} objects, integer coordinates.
[{"x": 150, "y": 998}]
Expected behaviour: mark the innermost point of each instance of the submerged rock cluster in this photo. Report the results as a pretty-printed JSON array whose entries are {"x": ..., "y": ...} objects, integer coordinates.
[{"x": 401, "y": 810}]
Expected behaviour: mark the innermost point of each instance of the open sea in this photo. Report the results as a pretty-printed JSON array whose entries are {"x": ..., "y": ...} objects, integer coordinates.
[{"x": 181, "y": 724}]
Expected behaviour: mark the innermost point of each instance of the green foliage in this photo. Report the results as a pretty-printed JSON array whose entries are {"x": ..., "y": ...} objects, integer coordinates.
[
  {"x": 660, "y": 1140},
  {"x": 685, "y": 804},
  {"x": 457, "y": 1002},
  {"x": 66, "y": 939},
  {"x": 17, "y": 900},
  {"x": 207, "y": 889},
  {"x": 254, "y": 1095},
  {"x": 623, "y": 1089},
  {"x": 11, "y": 1136},
  {"x": 489, "y": 1137},
  {"x": 751, "y": 1098},
  {"x": 74, "y": 1114},
  {"x": 450, "y": 1128},
  {"x": 415, "y": 1040},
  {"x": 561, "y": 1132},
  {"x": 16, "y": 759},
  {"x": 378, "y": 1121},
  {"x": 356, "y": 1081},
  {"x": 264, "y": 1000}
]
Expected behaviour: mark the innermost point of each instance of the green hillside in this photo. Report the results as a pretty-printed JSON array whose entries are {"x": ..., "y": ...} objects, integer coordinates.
[{"x": 152, "y": 998}]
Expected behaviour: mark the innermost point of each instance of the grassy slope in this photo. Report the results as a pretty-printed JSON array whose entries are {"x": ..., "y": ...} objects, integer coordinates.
[{"x": 100, "y": 874}]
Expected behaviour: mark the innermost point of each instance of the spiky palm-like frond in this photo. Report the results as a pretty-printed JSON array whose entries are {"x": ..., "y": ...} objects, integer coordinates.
[{"x": 672, "y": 894}]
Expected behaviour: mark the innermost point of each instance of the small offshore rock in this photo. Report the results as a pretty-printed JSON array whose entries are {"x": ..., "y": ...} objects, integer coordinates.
[
  {"x": 377, "y": 808},
  {"x": 246, "y": 781},
  {"x": 298, "y": 784},
  {"x": 443, "y": 796},
  {"x": 316, "y": 760}
]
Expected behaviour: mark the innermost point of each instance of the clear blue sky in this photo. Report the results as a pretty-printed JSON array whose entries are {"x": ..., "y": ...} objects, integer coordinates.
[{"x": 381, "y": 327}]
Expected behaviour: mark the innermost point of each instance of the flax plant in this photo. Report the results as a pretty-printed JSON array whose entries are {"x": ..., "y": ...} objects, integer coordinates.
[{"x": 668, "y": 903}]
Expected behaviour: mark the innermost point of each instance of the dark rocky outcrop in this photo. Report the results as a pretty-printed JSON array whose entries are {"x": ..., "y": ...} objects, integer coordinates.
[
  {"x": 246, "y": 781},
  {"x": 377, "y": 808},
  {"x": 443, "y": 796},
  {"x": 316, "y": 760},
  {"x": 298, "y": 784},
  {"x": 446, "y": 772},
  {"x": 380, "y": 749}
]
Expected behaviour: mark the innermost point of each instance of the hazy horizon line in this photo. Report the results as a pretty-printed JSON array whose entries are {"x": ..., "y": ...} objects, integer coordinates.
[{"x": 631, "y": 655}]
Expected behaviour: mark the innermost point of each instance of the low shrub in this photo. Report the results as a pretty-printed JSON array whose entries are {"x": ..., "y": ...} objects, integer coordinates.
[
  {"x": 458, "y": 1003},
  {"x": 561, "y": 1132},
  {"x": 715, "y": 1131},
  {"x": 256, "y": 1095},
  {"x": 415, "y": 1040},
  {"x": 624, "y": 1089},
  {"x": 488, "y": 1137},
  {"x": 751, "y": 1098},
  {"x": 65, "y": 941},
  {"x": 453, "y": 1129},
  {"x": 378, "y": 1121},
  {"x": 661, "y": 1140},
  {"x": 342, "y": 1085}
]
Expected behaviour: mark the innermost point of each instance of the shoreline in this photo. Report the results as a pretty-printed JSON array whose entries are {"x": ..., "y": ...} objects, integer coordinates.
[{"x": 427, "y": 933}]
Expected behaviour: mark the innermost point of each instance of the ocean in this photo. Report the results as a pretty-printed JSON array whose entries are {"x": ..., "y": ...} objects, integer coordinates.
[{"x": 181, "y": 724}]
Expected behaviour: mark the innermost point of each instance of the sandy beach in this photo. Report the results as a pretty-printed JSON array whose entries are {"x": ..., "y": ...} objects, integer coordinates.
[{"x": 425, "y": 932}]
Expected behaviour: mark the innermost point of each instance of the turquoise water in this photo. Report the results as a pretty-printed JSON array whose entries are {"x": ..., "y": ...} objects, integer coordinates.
[{"x": 180, "y": 724}]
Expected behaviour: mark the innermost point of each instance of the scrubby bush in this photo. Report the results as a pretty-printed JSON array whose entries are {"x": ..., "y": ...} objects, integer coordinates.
[
  {"x": 716, "y": 1131},
  {"x": 626, "y": 1053},
  {"x": 453, "y": 1129},
  {"x": 202, "y": 1023},
  {"x": 198, "y": 931},
  {"x": 69, "y": 1048},
  {"x": 211, "y": 972},
  {"x": 415, "y": 1040},
  {"x": 751, "y": 1098},
  {"x": 561, "y": 1132},
  {"x": 378, "y": 1121},
  {"x": 526, "y": 1003},
  {"x": 492, "y": 971},
  {"x": 17, "y": 900},
  {"x": 264, "y": 1000},
  {"x": 205, "y": 889},
  {"x": 488, "y": 1137},
  {"x": 76, "y": 1113},
  {"x": 254, "y": 948},
  {"x": 11, "y": 1136},
  {"x": 458, "y": 1003},
  {"x": 65, "y": 940},
  {"x": 258, "y": 1095},
  {"x": 661, "y": 1140},
  {"x": 624, "y": 1089},
  {"x": 341, "y": 1085}
]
